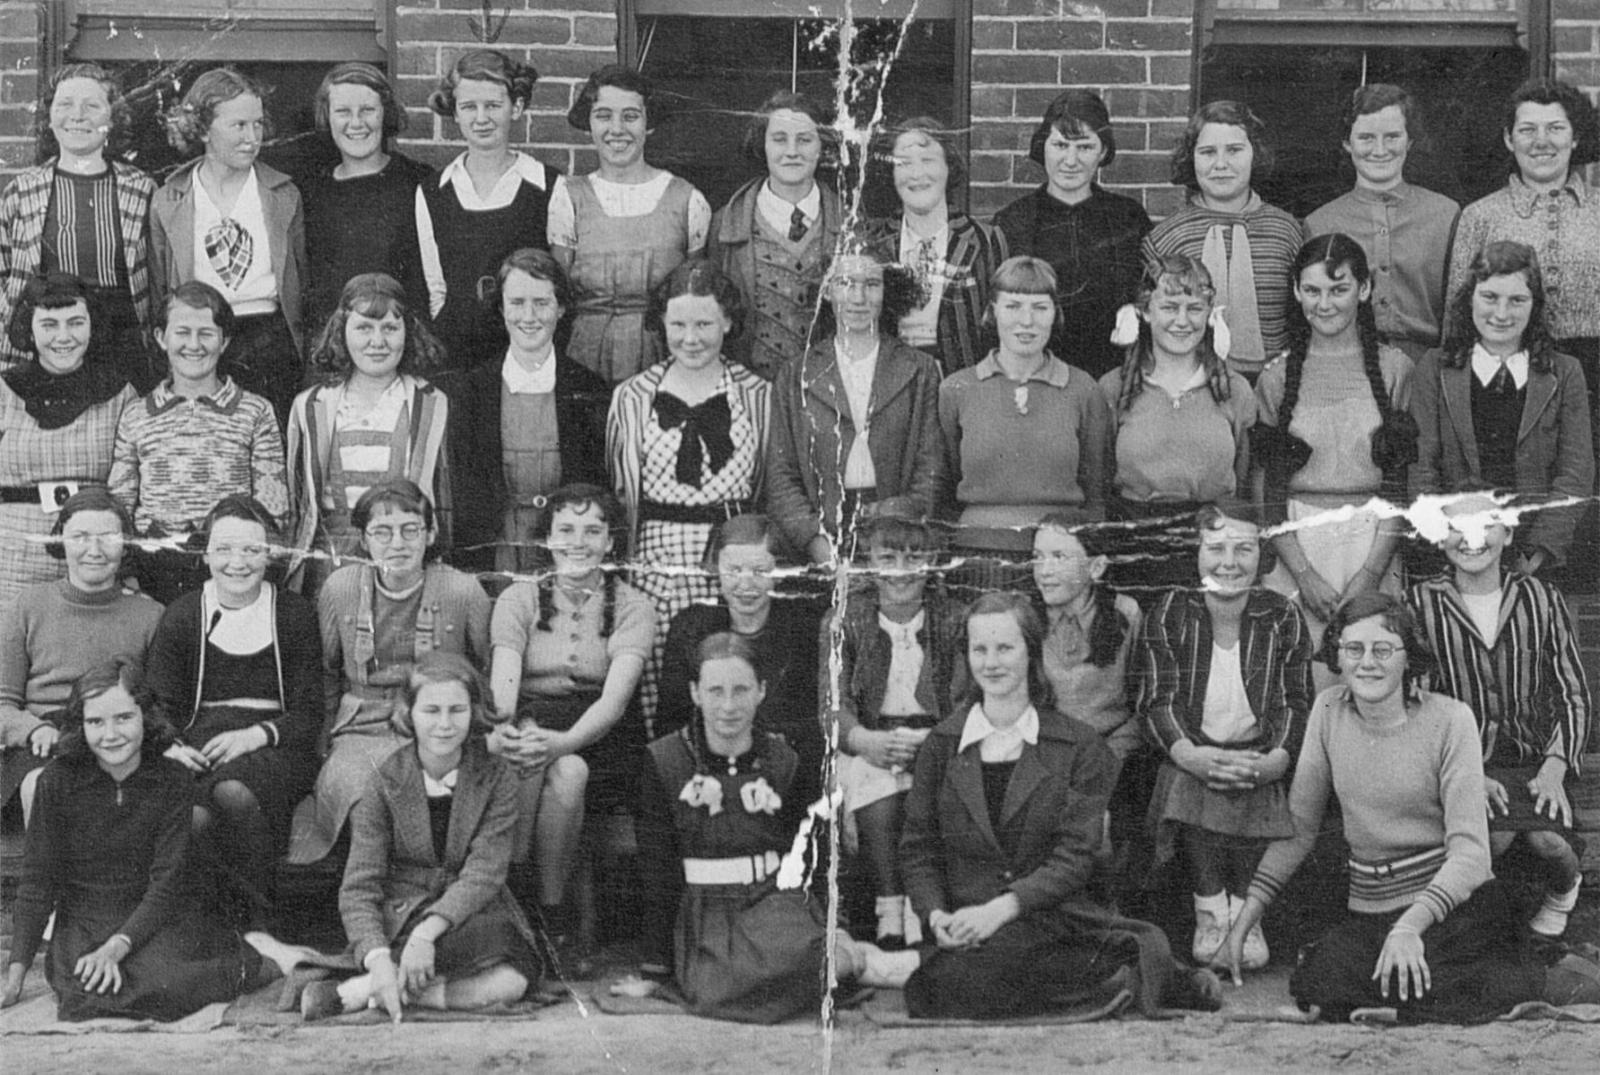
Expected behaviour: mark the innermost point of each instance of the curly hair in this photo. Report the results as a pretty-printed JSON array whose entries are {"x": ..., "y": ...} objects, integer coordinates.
[
  {"x": 53, "y": 291},
  {"x": 73, "y": 747},
  {"x": 583, "y": 497},
  {"x": 1109, "y": 628},
  {"x": 199, "y": 295},
  {"x": 700, "y": 278},
  {"x": 440, "y": 666},
  {"x": 1396, "y": 617},
  {"x": 881, "y": 160},
  {"x": 619, "y": 76},
  {"x": 484, "y": 65},
  {"x": 1172, "y": 274},
  {"x": 368, "y": 77},
  {"x": 374, "y": 294},
  {"x": 1580, "y": 113},
  {"x": 1504, "y": 257},
  {"x": 1227, "y": 113},
  {"x": 119, "y": 134},
  {"x": 1020, "y": 608},
  {"x": 1076, "y": 114},
  {"x": 91, "y": 498},
  {"x": 902, "y": 291},
  {"x": 754, "y": 143},
  {"x": 190, "y": 119}
]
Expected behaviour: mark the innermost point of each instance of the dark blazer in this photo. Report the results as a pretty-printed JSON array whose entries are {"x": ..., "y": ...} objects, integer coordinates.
[
  {"x": 952, "y": 857},
  {"x": 812, "y": 431},
  {"x": 865, "y": 652},
  {"x": 479, "y": 490},
  {"x": 393, "y": 873},
  {"x": 1555, "y": 453}
]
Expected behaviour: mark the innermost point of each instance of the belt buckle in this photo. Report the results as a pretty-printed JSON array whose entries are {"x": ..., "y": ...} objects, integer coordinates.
[{"x": 52, "y": 495}]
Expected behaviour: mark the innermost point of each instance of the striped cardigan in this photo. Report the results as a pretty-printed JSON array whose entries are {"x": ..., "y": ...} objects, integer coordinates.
[
  {"x": 1527, "y": 688},
  {"x": 1175, "y": 663},
  {"x": 23, "y": 208}
]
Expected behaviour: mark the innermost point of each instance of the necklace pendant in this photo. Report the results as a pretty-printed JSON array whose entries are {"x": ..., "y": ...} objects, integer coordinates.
[{"x": 1020, "y": 397}]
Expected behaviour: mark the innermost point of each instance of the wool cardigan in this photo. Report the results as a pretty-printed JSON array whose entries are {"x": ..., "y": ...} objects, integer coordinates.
[
  {"x": 478, "y": 491},
  {"x": 1555, "y": 454},
  {"x": 23, "y": 209},
  {"x": 172, "y": 241},
  {"x": 813, "y": 432}
]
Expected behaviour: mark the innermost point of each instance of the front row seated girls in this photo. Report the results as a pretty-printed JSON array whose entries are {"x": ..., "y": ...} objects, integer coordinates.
[
  {"x": 430, "y": 842},
  {"x": 1226, "y": 683},
  {"x": 568, "y": 649},
  {"x": 717, "y": 811},
  {"x": 105, "y": 854},
  {"x": 1430, "y": 932},
  {"x": 1505, "y": 645},
  {"x": 1005, "y": 814},
  {"x": 896, "y": 657},
  {"x": 235, "y": 668}
]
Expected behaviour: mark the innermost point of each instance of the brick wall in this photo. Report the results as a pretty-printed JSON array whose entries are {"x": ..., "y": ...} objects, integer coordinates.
[
  {"x": 563, "y": 39},
  {"x": 19, "y": 82},
  {"x": 1135, "y": 53}
]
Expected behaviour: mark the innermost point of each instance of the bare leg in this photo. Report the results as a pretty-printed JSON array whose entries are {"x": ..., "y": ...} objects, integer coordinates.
[
  {"x": 25, "y": 791},
  {"x": 879, "y": 826},
  {"x": 499, "y": 984},
  {"x": 1560, "y": 861},
  {"x": 1207, "y": 864},
  {"x": 559, "y": 825}
]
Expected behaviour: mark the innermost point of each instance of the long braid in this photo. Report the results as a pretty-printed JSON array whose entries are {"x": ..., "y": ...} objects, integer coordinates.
[
  {"x": 1367, "y": 325},
  {"x": 547, "y": 601},
  {"x": 608, "y": 611}
]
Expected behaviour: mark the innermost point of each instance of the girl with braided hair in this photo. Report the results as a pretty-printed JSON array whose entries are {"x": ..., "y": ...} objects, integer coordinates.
[
  {"x": 1335, "y": 432},
  {"x": 1182, "y": 418},
  {"x": 569, "y": 647}
]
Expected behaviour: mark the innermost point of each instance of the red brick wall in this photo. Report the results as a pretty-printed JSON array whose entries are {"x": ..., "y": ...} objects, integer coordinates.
[
  {"x": 19, "y": 82},
  {"x": 1135, "y": 53},
  {"x": 1575, "y": 49},
  {"x": 563, "y": 39}
]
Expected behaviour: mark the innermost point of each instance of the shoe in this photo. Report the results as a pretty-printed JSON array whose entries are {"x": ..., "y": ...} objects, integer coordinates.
[
  {"x": 320, "y": 1000},
  {"x": 890, "y": 942},
  {"x": 1209, "y": 935},
  {"x": 1551, "y": 920},
  {"x": 1255, "y": 955}
]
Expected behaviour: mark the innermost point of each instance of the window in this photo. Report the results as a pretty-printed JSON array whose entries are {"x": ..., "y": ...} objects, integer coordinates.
[
  {"x": 1296, "y": 62},
  {"x": 715, "y": 61}
]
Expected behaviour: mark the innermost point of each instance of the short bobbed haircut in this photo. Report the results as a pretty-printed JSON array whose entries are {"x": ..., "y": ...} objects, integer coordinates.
[
  {"x": 1076, "y": 114},
  {"x": 723, "y": 645},
  {"x": 374, "y": 294},
  {"x": 1503, "y": 257},
  {"x": 1020, "y": 607},
  {"x": 120, "y": 134},
  {"x": 94, "y": 498},
  {"x": 1228, "y": 113},
  {"x": 898, "y": 523},
  {"x": 754, "y": 144},
  {"x": 484, "y": 65},
  {"x": 396, "y": 494},
  {"x": 1377, "y": 96},
  {"x": 539, "y": 264},
  {"x": 52, "y": 291},
  {"x": 621, "y": 77},
  {"x": 199, "y": 295},
  {"x": 441, "y": 666},
  {"x": 902, "y": 293},
  {"x": 1580, "y": 113},
  {"x": 700, "y": 278},
  {"x": 238, "y": 506},
  {"x": 73, "y": 748},
  {"x": 929, "y": 131},
  {"x": 368, "y": 77},
  {"x": 1024, "y": 275},
  {"x": 190, "y": 119},
  {"x": 1397, "y": 617},
  {"x": 752, "y": 528}
]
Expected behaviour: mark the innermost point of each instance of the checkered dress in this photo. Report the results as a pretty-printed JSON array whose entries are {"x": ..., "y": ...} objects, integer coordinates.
[
  {"x": 666, "y": 548},
  {"x": 81, "y": 449}
]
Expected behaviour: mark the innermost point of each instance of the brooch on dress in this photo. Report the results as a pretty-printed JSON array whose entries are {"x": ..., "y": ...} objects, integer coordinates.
[
  {"x": 702, "y": 790},
  {"x": 759, "y": 797},
  {"x": 1020, "y": 397}
]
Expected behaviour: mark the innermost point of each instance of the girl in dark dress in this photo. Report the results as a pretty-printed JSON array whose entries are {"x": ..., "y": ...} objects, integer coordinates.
[
  {"x": 429, "y": 846},
  {"x": 717, "y": 813},
  {"x": 1004, "y": 816},
  {"x": 105, "y": 854},
  {"x": 236, "y": 668}
]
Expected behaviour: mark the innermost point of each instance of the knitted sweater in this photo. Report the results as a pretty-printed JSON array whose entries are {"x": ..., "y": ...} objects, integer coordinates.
[
  {"x": 176, "y": 457},
  {"x": 1403, "y": 791},
  {"x": 53, "y": 635}
]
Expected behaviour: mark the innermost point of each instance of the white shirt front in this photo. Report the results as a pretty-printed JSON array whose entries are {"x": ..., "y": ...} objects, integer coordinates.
[
  {"x": 857, "y": 373},
  {"x": 624, "y": 200},
  {"x": 1484, "y": 608},
  {"x": 1226, "y": 716},
  {"x": 258, "y": 291},
  {"x": 521, "y": 381},
  {"x": 523, "y": 169},
  {"x": 999, "y": 744},
  {"x": 920, "y": 327},
  {"x": 905, "y": 666},
  {"x": 780, "y": 213},
  {"x": 1485, "y": 366}
]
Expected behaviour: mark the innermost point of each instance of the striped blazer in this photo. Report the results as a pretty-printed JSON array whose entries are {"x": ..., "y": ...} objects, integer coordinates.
[
  {"x": 1175, "y": 663},
  {"x": 975, "y": 251},
  {"x": 630, "y": 412},
  {"x": 23, "y": 208},
  {"x": 311, "y": 442},
  {"x": 1527, "y": 688}
]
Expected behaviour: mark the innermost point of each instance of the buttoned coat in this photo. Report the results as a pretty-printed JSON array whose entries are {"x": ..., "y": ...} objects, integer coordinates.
[{"x": 393, "y": 874}]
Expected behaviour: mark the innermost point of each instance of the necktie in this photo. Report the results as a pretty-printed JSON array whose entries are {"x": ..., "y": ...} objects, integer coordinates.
[
  {"x": 1501, "y": 384},
  {"x": 230, "y": 249},
  {"x": 797, "y": 225}
]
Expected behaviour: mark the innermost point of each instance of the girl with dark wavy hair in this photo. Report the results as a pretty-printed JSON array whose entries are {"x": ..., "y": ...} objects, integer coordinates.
[{"x": 1334, "y": 433}]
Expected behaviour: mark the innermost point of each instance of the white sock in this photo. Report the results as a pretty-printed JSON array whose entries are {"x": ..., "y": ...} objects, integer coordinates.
[
  {"x": 913, "y": 924},
  {"x": 1564, "y": 901},
  {"x": 887, "y": 969},
  {"x": 1215, "y": 906},
  {"x": 891, "y": 915}
]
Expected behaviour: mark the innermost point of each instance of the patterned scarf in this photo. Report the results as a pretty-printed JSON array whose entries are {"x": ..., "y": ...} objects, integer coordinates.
[{"x": 231, "y": 250}]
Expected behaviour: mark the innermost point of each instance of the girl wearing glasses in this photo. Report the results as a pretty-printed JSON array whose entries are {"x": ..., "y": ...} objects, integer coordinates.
[
  {"x": 375, "y": 416},
  {"x": 1226, "y": 682},
  {"x": 1429, "y": 933},
  {"x": 379, "y": 617},
  {"x": 235, "y": 668}
]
